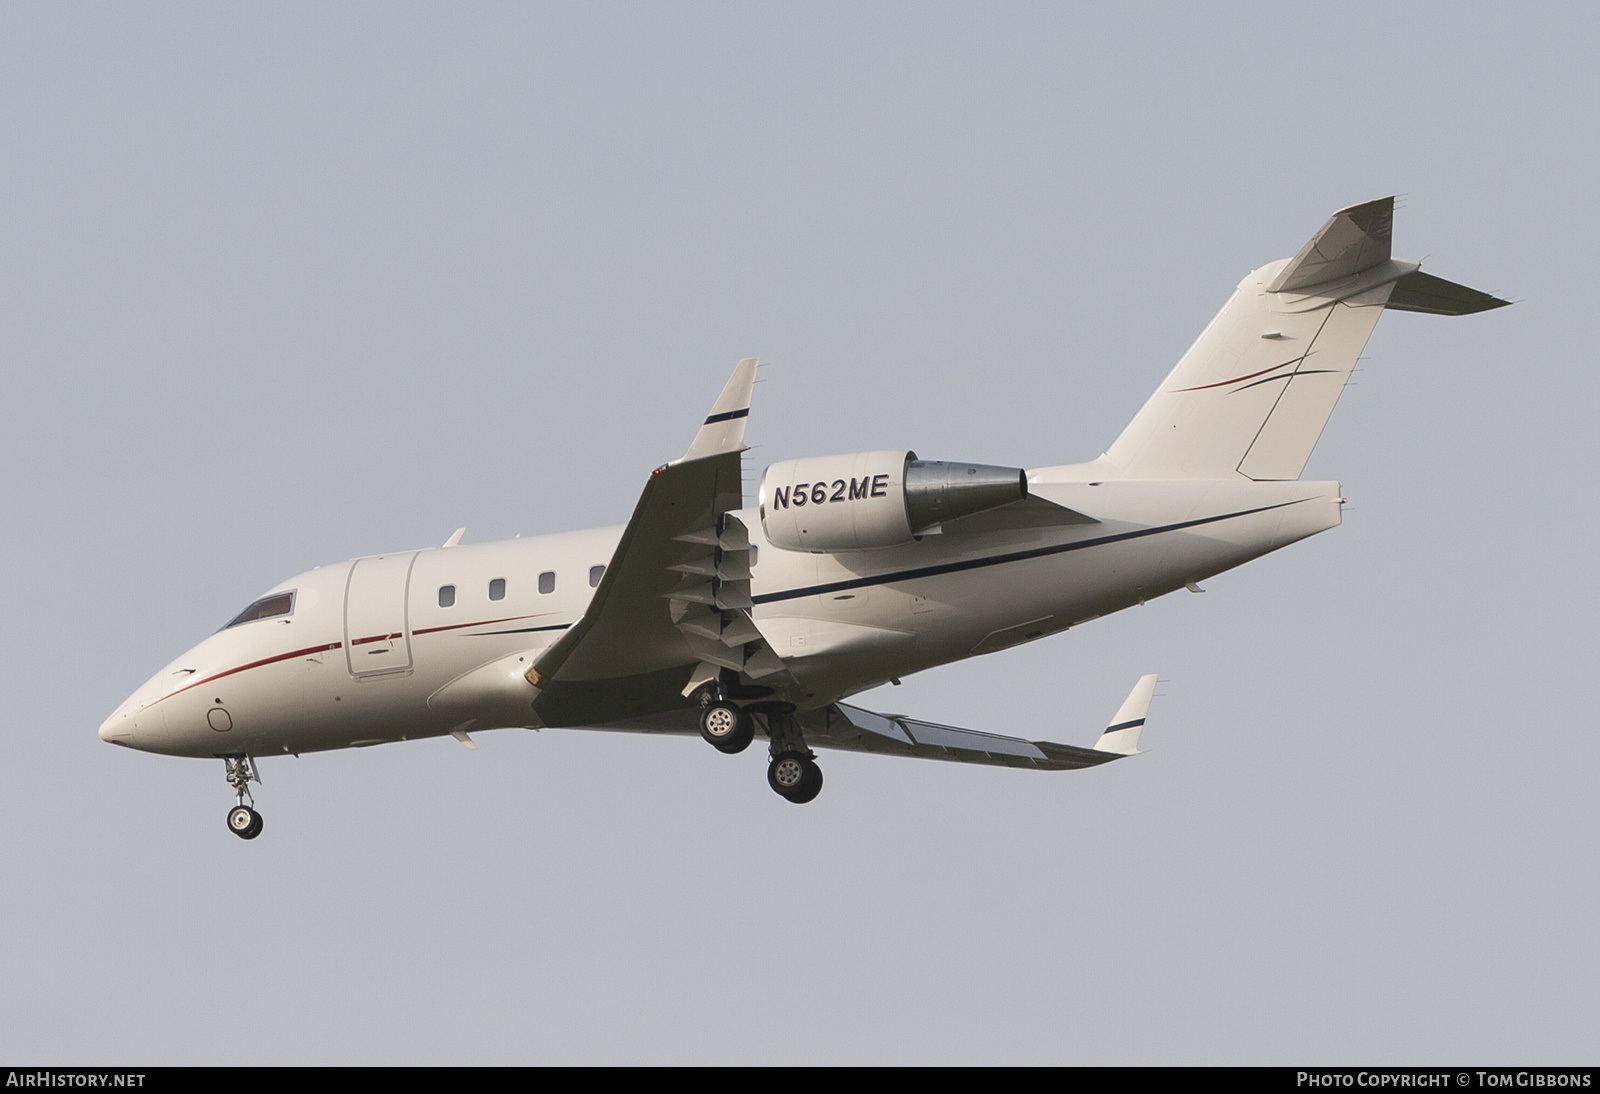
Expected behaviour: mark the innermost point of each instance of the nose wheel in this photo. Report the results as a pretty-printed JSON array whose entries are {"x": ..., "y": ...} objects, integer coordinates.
[{"x": 243, "y": 820}]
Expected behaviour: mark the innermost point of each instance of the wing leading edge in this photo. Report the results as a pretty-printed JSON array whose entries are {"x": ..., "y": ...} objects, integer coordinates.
[{"x": 629, "y": 654}]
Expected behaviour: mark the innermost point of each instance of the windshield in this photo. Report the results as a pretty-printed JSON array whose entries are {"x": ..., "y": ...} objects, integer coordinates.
[{"x": 266, "y": 608}]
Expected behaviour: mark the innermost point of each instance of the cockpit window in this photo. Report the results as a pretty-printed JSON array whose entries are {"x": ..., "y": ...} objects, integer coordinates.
[{"x": 266, "y": 608}]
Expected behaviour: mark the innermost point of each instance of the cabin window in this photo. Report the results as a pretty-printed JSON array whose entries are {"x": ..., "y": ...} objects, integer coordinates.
[
  {"x": 547, "y": 581},
  {"x": 447, "y": 596},
  {"x": 265, "y": 608},
  {"x": 595, "y": 574},
  {"x": 497, "y": 589}
]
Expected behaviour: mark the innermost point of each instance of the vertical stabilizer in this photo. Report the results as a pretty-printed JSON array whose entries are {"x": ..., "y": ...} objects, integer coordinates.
[{"x": 1252, "y": 395}]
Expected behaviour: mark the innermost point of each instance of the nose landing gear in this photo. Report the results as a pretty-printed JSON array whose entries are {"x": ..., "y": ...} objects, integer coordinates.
[{"x": 243, "y": 820}]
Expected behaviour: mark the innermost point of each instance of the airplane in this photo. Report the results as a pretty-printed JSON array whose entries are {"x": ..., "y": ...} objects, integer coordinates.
[{"x": 851, "y": 571}]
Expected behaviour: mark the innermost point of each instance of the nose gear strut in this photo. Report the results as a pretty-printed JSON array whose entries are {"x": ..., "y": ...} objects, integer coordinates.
[{"x": 243, "y": 820}]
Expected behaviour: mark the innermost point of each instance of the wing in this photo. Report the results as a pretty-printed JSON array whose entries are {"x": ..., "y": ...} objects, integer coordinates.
[
  {"x": 853, "y": 729},
  {"x": 672, "y": 608}
]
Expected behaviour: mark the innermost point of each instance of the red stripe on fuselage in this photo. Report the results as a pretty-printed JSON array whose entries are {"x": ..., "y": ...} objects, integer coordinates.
[
  {"x": 375, "y": 638},
  {"x": 336, "y": 645},
  {"x": 253, "y": 665}
]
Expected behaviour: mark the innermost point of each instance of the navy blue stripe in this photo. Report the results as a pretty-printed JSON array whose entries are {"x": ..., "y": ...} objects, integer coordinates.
[
  {"x": 729, "y": 416},
  {"x": 1000, "y": 560},
  {"x": 523, "y": 630},
  {"x": 1125, "y": 725}
]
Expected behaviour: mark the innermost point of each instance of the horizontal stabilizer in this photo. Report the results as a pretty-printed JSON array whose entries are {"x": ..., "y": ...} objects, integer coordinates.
[
  {"x": 1122, "y": 735},
  {"x": 1417, "y": 291},
  {"x": 1353, "y": 241}
]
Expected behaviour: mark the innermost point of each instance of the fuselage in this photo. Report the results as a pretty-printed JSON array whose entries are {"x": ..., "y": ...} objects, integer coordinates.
[
  {"x": 702, "y": 617},
  {"x": 362, "y": 652}
]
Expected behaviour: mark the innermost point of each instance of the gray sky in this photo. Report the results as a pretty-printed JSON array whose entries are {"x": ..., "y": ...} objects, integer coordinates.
[{"x": 282, "y": 285}]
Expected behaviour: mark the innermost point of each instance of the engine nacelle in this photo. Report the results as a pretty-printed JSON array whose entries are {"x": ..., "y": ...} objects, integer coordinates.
[{"x": 876, "y": 499}]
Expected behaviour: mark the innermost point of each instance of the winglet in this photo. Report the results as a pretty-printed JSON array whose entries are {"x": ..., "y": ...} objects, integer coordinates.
[
  {"x": 723, "y": 430},
  {"x": 1122, "y": 735}
]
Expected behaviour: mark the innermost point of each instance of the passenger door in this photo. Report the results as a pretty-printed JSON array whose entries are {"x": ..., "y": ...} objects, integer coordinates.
[{"x": 377, "y": 638}]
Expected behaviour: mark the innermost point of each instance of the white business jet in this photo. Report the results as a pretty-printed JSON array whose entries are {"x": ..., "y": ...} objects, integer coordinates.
[{"x": 851, "y": 571}]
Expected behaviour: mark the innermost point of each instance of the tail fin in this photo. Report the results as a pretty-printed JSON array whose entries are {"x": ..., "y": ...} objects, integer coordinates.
[{"x": 1253, "y": 393}]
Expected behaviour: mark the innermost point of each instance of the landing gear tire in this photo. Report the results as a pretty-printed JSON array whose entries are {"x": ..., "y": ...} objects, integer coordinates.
[
  {"x": 795, "y": 776},
  {"x": 726, "y": 727},
  {"x": 244, "y": 822}
]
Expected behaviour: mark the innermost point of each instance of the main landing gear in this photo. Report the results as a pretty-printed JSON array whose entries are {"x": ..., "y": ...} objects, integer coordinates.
[
  {"x": 725, "y": 725},
  {"x": 793, "y": 772},
  {"x": 795, "y": 775},
  {"x": 243, "y": 820}
]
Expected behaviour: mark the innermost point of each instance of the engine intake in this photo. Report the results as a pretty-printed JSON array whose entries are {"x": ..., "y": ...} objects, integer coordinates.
[{"x": 866, "y": 500}]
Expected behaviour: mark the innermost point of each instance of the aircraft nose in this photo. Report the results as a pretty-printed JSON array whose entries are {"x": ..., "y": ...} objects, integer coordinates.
[
  {"x": 135, "y": 725},
  {"x": 118, "y": 725}
]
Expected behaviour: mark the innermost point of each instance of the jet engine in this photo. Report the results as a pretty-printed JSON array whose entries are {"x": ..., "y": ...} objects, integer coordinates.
[{"x": 876, "y": 499}]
